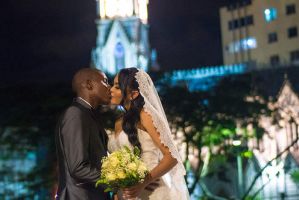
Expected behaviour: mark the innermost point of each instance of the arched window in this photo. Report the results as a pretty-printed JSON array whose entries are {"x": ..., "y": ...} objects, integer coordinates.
[{"x": 119, "y": 56}]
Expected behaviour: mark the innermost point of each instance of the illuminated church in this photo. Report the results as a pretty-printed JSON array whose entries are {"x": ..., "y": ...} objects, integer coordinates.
[{"x": 122, "y": 39}]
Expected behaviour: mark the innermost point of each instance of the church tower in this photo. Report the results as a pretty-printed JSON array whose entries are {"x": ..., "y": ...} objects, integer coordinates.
[{"x": 122, "y": 39}]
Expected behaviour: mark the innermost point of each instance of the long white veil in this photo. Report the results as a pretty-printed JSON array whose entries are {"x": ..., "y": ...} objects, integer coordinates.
[{"x": 175, "y": 177}]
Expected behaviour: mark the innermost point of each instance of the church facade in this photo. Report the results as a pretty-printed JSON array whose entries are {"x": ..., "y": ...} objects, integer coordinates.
[
  {"x": 279, "y": 138},
  {"x": 122, "y": 39}
]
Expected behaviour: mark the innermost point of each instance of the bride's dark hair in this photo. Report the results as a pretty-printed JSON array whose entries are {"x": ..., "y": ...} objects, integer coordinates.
[{"x": 127, "y": 83}]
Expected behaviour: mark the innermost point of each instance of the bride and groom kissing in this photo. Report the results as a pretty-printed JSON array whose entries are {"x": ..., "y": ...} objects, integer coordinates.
[{"x": 81, "y": 140}]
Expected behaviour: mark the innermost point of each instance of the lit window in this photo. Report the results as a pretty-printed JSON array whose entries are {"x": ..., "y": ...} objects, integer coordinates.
[
  {"x": 250, "y": 43},
  {"x": 270, "y": 14},
  {"x": 242, "y": 45},
  {"x": 119, "y": 56}
]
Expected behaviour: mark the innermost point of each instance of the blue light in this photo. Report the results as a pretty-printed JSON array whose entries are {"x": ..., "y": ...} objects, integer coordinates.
[
  {"x": 249, "y": 43},
  {"x": 244, "y": 44},
  {"x": 270, "y": 14},
  {"x": 119, "y": 54},
  {"x": 267, "y": 12},
  {"x": 205, "y": 77},
  {"x": 31, "y": 156}
]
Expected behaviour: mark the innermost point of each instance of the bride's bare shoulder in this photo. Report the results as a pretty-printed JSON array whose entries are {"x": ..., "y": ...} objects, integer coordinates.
[{"x": 145, "y": 118}]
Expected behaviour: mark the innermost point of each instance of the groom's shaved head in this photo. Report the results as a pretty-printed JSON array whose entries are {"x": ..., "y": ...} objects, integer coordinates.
[{"x": 83, "y": 76}]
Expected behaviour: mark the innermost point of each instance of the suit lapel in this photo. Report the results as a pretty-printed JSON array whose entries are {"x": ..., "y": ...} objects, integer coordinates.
[{"x": 96, "y": 117}]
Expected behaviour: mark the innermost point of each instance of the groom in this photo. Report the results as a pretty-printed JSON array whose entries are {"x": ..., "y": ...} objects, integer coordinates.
[{"x": 81, "y": 140}]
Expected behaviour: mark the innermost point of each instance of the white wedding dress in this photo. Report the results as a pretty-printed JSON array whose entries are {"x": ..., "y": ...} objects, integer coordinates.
[
  {"x": 150, "y": 156},
  {"x": 172, "y": 185}
]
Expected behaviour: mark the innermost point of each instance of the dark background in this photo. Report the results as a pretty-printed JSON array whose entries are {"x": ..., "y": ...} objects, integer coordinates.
[{"x": 46, "y": 41}]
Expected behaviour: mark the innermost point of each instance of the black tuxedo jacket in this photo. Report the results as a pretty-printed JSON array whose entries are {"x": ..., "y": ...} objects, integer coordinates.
[{"x": 81, "y": 142}]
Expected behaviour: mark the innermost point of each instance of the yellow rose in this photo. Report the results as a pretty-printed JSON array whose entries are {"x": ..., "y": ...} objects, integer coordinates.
[
  {"x": 132, "y": 166},
  {"x": 105, "y": 164},
  {"x": 110, "y": 177},
  {"x": 126, "y": 158},
  {"x": 121, "y": 175},
  {"x": 114, "y": 161},
  {"x": 142, "y": 167}
]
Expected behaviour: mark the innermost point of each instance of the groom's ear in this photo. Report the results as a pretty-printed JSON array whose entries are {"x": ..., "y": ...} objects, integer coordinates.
[
  {"x": 134, "y": 94},
  {"x": 88, "y": 84}
]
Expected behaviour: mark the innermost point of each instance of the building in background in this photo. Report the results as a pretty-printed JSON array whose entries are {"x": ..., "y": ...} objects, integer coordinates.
[
  {"x": 277, "y": 177},
  {"x": 256, "y": 34},
  {"x": 261, "y": 32},
  {"x": 122, "y": 39}
]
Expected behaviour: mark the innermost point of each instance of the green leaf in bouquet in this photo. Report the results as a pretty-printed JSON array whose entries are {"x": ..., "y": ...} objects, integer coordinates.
[
  {"x": 136, "y": 151},
  {"x": 100, "y": 182},
  {"x": 108, "y": 190},
  {"x": 127, "y": 149}
]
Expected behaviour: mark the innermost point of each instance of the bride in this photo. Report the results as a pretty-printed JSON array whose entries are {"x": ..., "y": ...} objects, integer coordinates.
[{"x": 144, "y": 125}]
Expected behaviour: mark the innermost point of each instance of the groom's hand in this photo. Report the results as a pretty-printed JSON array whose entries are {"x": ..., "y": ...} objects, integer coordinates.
[{"x": 152, "y": 186}]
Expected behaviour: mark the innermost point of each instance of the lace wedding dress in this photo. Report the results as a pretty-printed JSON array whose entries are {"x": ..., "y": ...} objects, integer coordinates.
[
  {"x": 150, "y": 156},
  {"x": 172, "y": 185}
]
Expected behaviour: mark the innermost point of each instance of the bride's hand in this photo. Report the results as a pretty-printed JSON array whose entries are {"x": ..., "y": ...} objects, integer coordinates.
[
  {"x": 115, "y": 197},
  {"x": 153, "y": 185},
  {"x": 133, "y": 192}
]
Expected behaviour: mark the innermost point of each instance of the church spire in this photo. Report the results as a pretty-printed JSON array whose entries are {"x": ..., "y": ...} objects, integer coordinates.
[
  {"x": 122, "y": 38},
  {"x": 111, "y": 9}
]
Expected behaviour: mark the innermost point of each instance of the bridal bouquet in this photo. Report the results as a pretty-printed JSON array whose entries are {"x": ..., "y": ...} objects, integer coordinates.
[{"x": 122, "y": 168}]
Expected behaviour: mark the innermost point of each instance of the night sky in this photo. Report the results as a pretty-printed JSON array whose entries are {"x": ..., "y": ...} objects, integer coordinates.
[{"x": 49, "y": 40}]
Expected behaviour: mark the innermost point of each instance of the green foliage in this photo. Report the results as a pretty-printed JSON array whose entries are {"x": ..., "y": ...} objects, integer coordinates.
[
  {"x": 136, "y": 151},
  {"x": 252, "y": 198},
  {"x": 247, "y": 154},
  {"x": 212, "y": 118},
  {"x": 295, "y": 176}
]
